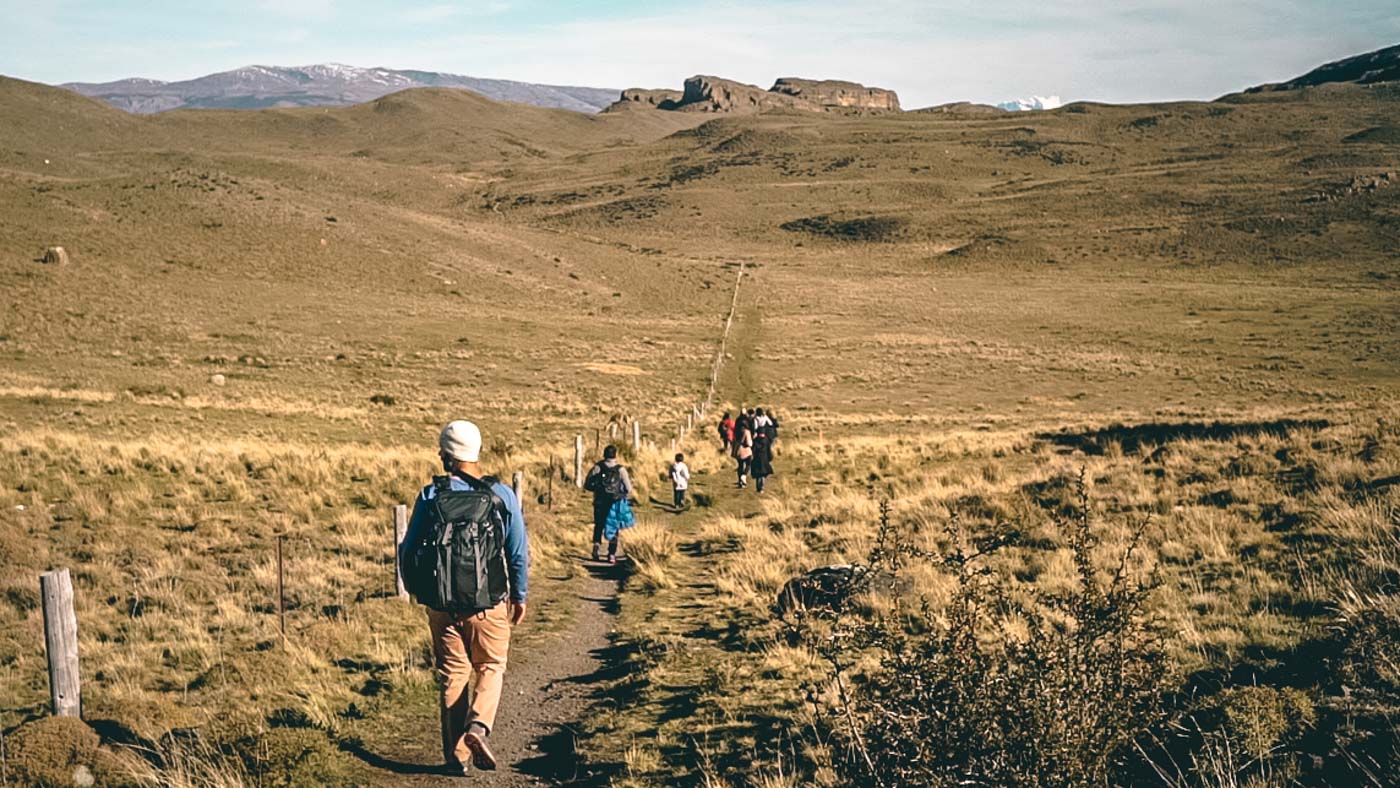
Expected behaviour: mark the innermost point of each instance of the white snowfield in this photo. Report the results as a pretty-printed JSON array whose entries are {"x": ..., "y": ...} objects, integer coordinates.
[{"x": 1032, "y": 103}]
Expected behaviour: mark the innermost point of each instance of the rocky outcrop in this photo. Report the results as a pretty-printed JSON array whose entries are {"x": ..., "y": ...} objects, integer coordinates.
[
  {"x": 715, "y": 94},
  {"x": 650, "y": 99},
  {"x": 835, "y": 94}
]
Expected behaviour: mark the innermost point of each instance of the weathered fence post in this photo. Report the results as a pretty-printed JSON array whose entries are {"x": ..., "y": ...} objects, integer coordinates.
[
  {"x": 400, "y": 531},
  {"x": 578, "y": 461},
  {"x": 550, "y": 501},
  {"x": 61, "y": 640},
  {"x": 597, "y": 441},
  {"x": 517, "y": 485},
  {"x": 636, "y": 436}
]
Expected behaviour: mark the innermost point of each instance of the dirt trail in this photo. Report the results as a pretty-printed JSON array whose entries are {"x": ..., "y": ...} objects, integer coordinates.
[
  {"x": 550, "y": 684},
  {"x": 553, "y": 682}
]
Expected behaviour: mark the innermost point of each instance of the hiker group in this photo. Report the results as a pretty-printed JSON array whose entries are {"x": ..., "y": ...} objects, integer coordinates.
[{"x": 749, "y": 439}]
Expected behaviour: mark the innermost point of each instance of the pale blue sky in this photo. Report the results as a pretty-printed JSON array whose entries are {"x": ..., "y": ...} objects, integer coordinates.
[{"x": 931, "y": 51}]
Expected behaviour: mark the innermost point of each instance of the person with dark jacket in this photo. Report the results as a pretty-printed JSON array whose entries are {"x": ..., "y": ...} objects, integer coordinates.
[
  {"x": 761, "y": 466},
  {"x": 743, "y": 451},
  {"x": 609, "y": 483}
]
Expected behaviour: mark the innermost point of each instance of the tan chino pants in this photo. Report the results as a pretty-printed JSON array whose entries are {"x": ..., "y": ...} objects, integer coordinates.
[{"x": 469, "y": 652}]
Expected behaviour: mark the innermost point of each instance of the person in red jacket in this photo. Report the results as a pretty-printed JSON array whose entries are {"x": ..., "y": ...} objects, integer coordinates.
[{"x": 726, "y": 432}]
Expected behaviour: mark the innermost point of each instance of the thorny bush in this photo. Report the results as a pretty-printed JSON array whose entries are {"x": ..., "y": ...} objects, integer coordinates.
[{"x": 1006, "y": 685}]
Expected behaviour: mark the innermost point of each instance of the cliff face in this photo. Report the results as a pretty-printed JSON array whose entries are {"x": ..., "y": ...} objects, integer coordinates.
[
  {"x": 716, "y": 94},
  {"x": 831, "y": 93},
  {"x": 650, "y": 99}
]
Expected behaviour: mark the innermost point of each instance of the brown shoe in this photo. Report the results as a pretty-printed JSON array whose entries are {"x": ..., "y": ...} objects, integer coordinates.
[{"x": 475, "y": 739}]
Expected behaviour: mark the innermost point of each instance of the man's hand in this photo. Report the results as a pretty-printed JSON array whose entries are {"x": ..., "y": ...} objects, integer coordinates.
[{"x": 517, "y": 612}]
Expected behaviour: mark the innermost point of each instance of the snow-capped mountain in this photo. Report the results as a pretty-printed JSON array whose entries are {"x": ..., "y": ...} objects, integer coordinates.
[
  {"x": 1034, "y": 102},
  {"x": 323, "y": 84}
]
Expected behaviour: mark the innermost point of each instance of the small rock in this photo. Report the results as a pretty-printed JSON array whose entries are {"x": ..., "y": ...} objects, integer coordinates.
[
  {"x": 56, "y": 255},
  {"x": 217, "y": 380}
]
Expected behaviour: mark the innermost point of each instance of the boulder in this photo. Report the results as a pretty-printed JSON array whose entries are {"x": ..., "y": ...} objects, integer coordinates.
[{"x": 56, "y": 255}]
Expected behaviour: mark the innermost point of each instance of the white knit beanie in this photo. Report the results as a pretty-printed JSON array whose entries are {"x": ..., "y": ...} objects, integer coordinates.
[{"x": 461, "y": 440}]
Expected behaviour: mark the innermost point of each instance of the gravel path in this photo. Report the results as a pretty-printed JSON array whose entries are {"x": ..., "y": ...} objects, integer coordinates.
[{"x": 549, "y": 686}]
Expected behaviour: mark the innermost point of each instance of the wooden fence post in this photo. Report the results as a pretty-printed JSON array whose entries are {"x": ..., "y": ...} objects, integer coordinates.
[
  {"x": 597, "y": 442},
  {"x": 550, "y": 501},
  {"x": 517, "y": 485},
  {"x": 636, "y": 435},
  {"x": 400, "y": 531},
  {"x": 578, "y": 461},
  {"x": 61, "y": 640}
]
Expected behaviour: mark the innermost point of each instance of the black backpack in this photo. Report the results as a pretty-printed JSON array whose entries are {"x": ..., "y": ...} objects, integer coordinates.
[
  {"x": 458, "y": 563},
  {"x": 608, "y": 481}
]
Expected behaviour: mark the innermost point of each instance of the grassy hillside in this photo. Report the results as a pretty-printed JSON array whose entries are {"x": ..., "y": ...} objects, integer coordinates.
[{"x": 268, "y": 314}]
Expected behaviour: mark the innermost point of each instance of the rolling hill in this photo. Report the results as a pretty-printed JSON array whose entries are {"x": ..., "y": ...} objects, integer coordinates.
[{"x": 1189, "y": 307}]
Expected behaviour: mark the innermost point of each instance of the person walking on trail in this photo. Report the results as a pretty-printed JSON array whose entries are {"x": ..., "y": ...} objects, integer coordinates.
[
  {"x": 762, "y": 464},
  {"x": 680, "y": 482},
  {"x": 466, "y": 557},
  {"x": 743, "y": 451},
  {"x": 611, "y": 487},
  {"x": 726, "y": 432},
  {"x": 761, "y": 420}
]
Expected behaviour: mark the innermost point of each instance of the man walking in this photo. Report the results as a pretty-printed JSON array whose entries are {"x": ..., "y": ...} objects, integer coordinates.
[
  {"x": 466, "y": 557},
  {"x": 609, "y": 483}
]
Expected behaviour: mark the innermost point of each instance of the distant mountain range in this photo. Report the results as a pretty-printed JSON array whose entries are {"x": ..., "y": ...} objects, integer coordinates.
[{"x": 327, "y": 84}]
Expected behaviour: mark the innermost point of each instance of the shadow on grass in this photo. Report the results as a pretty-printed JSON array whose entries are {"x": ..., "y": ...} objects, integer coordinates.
[
  {"x": 353, "y": 746},
  {"x": 1133, "y": 437}
]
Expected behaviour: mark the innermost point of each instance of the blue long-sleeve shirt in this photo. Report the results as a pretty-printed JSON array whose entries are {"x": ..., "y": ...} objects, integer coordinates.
[{"x": 517, "y": 543}]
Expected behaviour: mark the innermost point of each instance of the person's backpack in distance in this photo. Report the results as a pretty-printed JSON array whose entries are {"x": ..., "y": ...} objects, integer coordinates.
[{"x": 458, "y": 563}]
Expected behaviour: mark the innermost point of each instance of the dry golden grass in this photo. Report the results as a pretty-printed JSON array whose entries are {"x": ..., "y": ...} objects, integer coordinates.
[
  {"x": 1262, "y": 538},
  {"x": 547, "y": 277}
]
